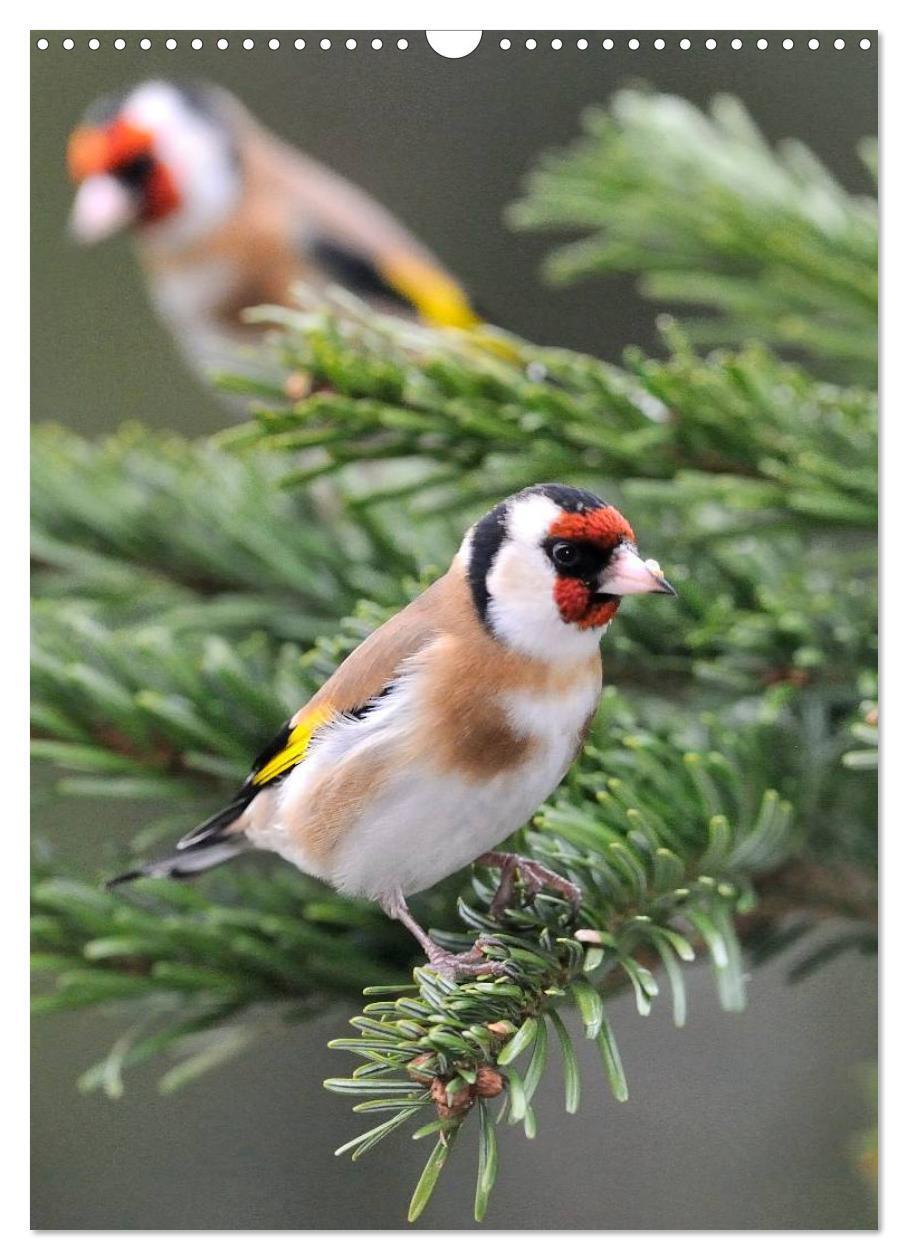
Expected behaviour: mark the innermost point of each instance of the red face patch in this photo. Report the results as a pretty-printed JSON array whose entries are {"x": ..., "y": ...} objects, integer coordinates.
[
  {"x": 604, "y": 527},
  {"x": 99, "y": 150},
  {"x": 161, "y": 195},
  {"x": 579, "y": 606},
  {"x": 102, "y": 150}
]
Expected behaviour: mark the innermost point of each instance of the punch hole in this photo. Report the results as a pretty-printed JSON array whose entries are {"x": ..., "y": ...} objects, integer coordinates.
[
  {"x": 376, "y": 44},
  {"x": 659, "y": 44},
  {"x": 351, "y": 44},
  {"x": 69, "y": 44},
  {"x": 248, "y": 44},
  {"x": 633, "y": 44},
  {"x": 197, "y": 43},
  {"x": 43, "y": 44},
  {"x": 711, "y": 44},
  {"x": 119, "y": 44},
  {"x": 556, "y": 44},
  {"x": 402, "y": 44},
  {"x": 608, "y": 44},
  {"x": 685, "y": 44},
  {"x": 274, "y": 44},
  {"x": 813, "y": 44},
  {"x": 145, "y": 44},
  {"x": 453, "y": 43},
  {"x": 223, "y": 43},
  {"x": 583, "y": 44},
  {"x": 170, "y": 43},
  {"x": 762, "y": 44},
  {"x": 865, "y": 44},
  {"x": 839, "y": 44},
  {"x": 531, "y": 44},
  {"x": 94, "y": 43},
  {"x": 737, "y": 44},
  {"x": 324, "y": 44},
  {"x": 505, "y": 44},
  {"x": 299, "y": 44},
  {"x": 788, "y": 43}
]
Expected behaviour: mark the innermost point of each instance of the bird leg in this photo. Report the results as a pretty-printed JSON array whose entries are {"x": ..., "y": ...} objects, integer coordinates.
[
  {"x": 534, "y": 875},
  {"x": 454, "y": 966}
]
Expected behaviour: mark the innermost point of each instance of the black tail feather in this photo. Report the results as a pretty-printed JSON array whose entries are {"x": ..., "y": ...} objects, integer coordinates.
[
  {"x": 214, "y": 828},
  {"x": 186, "y": 864},
  {"x": 211, "y": 843}
]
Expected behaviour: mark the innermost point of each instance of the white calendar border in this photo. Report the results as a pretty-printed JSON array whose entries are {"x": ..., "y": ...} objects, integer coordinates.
[{"x": 231, "y": 15}]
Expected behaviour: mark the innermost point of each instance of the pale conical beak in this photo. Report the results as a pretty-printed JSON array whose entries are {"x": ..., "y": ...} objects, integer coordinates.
[
  {"x": 102, "y": 206},
  {"x": 627, "y": 574}
]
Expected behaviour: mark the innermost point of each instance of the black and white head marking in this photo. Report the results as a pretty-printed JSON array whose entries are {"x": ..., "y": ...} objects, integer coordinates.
[
  {"x": 510, "y": 571},
  {"x": 193, "y": 139}
]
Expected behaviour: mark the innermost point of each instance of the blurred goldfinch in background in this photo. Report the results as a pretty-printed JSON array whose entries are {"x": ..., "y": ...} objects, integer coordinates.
[{"x": 226, "y": 216}]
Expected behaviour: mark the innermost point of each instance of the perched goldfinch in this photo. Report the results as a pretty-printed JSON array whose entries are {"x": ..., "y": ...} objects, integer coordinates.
[
  {"x": 226, "y": 216},
  {"x": 443, "y": 732}
]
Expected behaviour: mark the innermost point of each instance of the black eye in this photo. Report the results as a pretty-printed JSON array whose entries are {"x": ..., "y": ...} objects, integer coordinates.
[
  {"x": 565, "y": 555},
  {"x": 135, "y": 172}
]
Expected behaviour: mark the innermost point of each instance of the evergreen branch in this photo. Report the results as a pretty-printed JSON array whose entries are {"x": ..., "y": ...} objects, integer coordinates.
[
  {"x": 155, "y": 527},
  {"x": 145, "y": 712},
  {"x": 798, "y": 451},
  {"x": 186, "y": 963},
  {"x": 769, "y": 239}
]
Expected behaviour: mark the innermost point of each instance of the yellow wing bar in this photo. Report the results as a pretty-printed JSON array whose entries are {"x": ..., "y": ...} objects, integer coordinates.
[
  {"x": 438, "y": 299},
  {"x": 295, "y": 747}
]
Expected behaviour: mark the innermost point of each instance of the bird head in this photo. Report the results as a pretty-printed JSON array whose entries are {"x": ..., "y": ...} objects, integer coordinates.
[
  {"x": 159, "y": 158},
  {"x": 548, "y": 567}
]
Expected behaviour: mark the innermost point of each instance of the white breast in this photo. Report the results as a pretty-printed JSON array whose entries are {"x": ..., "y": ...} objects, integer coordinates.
[
  {"x": 187, "y": 299},
  {"x": 192, "y": 290},
  {"x": 423, "y": 825},
  {"x": 426, "y": 826},
  {"x": 553, "y": 716}
]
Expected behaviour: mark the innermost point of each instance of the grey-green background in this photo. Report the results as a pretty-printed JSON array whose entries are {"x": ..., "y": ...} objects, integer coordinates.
[{"x": 737, "y": 1121}]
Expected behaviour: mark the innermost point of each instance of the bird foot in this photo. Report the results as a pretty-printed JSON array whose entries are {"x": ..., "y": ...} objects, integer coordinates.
[
  {"x": 534, "y": 876},
  {"x": 471, "y": 962}
]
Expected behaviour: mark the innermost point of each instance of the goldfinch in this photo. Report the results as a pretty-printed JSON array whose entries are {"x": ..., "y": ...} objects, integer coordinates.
[
  {"x": 226, "y": 216},
  {"x": 443, "y": 732}
]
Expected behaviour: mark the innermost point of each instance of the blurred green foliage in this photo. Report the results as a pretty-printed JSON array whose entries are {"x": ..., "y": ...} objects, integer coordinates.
[{"x": 709, "y": 215}]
